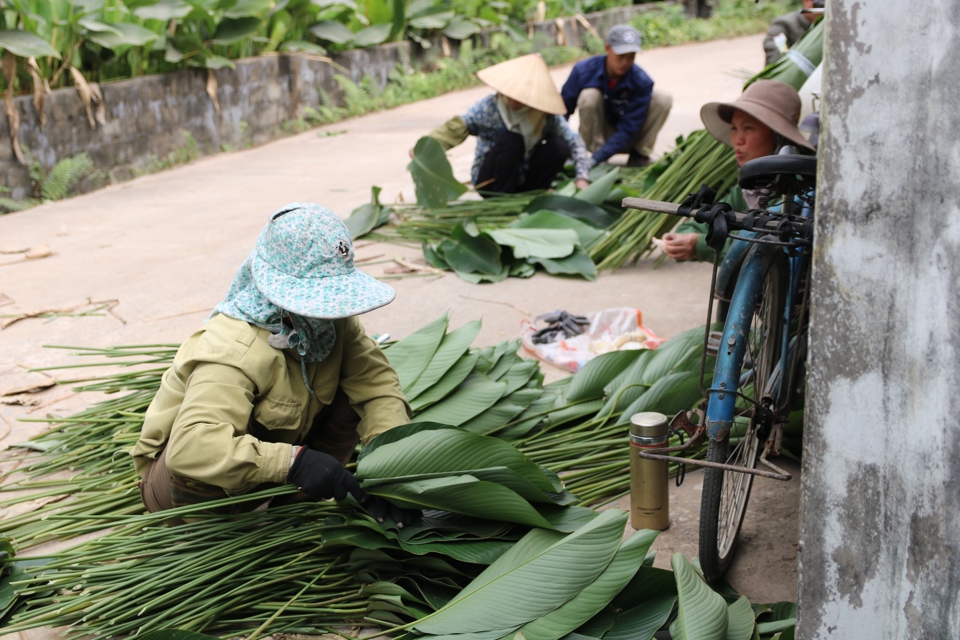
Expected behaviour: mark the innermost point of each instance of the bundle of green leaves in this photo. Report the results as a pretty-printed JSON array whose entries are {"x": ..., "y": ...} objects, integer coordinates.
[
  {"x": 492, "y": 239},
  {"x": 497, "y": 515}
]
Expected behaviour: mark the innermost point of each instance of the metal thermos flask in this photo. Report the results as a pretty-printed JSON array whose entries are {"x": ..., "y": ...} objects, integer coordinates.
[{"x": 649, "y": 499}]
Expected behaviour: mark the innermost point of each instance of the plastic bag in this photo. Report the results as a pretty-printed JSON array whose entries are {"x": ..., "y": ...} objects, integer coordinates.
[{"x": 610, "y": 330}]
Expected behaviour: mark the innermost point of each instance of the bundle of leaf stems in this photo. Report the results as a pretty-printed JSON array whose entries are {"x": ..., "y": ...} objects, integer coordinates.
[
  {"x": 417, "y": 224},
  {"x": 226, "y": 576},
  {"x": 697, "y": 160}
]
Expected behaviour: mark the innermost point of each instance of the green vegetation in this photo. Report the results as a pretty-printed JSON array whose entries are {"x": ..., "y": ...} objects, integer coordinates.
[
  {"x": 668, "y": 25},
  {"x": 499, "y": 443}
]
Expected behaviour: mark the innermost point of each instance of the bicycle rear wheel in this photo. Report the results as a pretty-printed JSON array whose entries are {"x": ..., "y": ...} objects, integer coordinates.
[{"x": 756, "y": 312}]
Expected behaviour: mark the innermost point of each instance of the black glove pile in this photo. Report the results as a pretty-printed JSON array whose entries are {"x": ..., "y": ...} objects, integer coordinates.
[
  {"x": 560, "y": 325},
  {"x": 321, "y": 476}
]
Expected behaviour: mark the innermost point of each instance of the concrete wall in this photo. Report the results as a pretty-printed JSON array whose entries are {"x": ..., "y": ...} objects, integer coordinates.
[
  {"x": 149, "y": 118},
  {"x": 880, "y": 532}
]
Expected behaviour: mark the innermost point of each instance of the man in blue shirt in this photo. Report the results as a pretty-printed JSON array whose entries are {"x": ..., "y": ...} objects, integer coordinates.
[{"x": 620, "y": 112}]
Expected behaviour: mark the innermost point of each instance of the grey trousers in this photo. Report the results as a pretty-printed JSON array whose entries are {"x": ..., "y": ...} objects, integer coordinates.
[{"x": 595, "y": 131}]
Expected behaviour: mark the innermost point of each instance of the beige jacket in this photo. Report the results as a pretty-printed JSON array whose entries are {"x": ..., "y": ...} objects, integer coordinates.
[{"x": 227, "y": 381}]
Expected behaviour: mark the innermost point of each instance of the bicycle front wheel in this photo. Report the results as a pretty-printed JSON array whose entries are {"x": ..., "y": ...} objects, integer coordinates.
[{"x": 756, "y": 312}]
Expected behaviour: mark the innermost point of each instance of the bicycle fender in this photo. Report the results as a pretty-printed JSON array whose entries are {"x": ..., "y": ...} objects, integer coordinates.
[{"x": 726, "y": 378}]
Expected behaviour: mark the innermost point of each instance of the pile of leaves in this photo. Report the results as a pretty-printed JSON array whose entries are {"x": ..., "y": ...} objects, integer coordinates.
[
  {"x": 499, "y": 524},
  {"x": 488, "y": 240}
]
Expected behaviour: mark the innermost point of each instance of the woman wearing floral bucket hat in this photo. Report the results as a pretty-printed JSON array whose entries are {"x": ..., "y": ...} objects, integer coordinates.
[
  {"x": 758, "y": 123},
  {"x": 280, "y": 382},
  {"x": 523, "y": 139}
]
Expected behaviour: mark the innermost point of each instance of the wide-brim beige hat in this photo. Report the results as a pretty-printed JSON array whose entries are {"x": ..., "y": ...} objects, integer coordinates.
[
  {"x": 525, "y": 79},
  {"x": 775, "y": 104}
]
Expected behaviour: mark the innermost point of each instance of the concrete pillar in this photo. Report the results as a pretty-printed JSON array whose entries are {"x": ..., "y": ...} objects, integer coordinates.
[{"x": 880, "y": 528}]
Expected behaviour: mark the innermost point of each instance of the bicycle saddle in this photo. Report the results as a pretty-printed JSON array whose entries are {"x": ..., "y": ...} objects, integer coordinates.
[{"x": 780, "y": 170}]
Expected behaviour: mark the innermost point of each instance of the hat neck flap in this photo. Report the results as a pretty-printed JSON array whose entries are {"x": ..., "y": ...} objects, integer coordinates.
[{"x": 312, "y": 338}]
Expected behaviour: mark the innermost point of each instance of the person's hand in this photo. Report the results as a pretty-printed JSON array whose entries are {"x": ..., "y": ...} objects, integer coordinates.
[
  {"x": 321, "y": 476},
  {"x": 381, "y": 509},
  {"x": 411, "y": 153},
  {"x": 680, "y": 246},
  {"x": 582, "y": 183}
]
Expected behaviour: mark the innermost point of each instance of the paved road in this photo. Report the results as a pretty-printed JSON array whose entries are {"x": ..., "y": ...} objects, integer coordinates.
[{"x": 167, "y": 245}]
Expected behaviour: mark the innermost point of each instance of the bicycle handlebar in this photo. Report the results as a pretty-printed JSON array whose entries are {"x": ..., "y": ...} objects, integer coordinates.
[{"x": 756, "y": 220}]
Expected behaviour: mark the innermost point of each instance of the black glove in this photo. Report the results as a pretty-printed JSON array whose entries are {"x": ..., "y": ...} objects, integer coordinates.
[
  {"x": 322, "y": 477},
  {"x": 381, "y": 509}
]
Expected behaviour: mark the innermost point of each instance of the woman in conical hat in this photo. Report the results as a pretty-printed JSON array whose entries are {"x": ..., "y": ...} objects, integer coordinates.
[
  {"x": 758, "y": 123},
  {"x": 523, "y": 139}
]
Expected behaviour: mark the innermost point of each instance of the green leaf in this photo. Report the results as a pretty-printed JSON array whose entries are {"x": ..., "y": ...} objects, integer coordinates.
[
  {"x": 544, "y": 219},
  {"x": 433, "y": 258},
  {"x": 376, "y": 34},
  {"x": 676, "y": 392},
  {"x": 437, "y": 17},
  {"x": 672, "y": 354},
  {"x": 218, "y": 62},
  {"x": 449, "y": 451},
  {"x": 573, "y": 411},
  {"x": 95, "y": 25},
  {"x": 455, "y": 376},
  {"x": 589, "y": 382},
  {"x": 537, "y": 243},
  {"x": 740, "y": 621},
  {"x": 27, "y": 45},
  {"x": 573, "y": 207},
  {"x": 703, "y": 612},
  {"x": 765, "y": 628},
  {"x": 332, "y": 31},
  {"x": 469, "y": 254},
  {"x": 248, "y": 8},
  {"x": 461, "y": 29},
  {"x": 462, "y": 494},
  {"x": 234, "y": 29},
  {"x": 522, "y": 270},
  {"x": 164, "y": 10},
  {"x": 399, "y": 433},
  {"x": 432, "y": 175},
  {"x": 477, "y": 278},
  {"x": 410, "y": 356},
  {"x": 367, "y": 217},
  {"x": 539, "y": 574},
  {"x": 451, "y": 349},
  {"x": 577, "y": 263},
  {"x": 171, "y": 54},
  {"x": 776, "y": 611},
  {"x": 598, "y": 191},
  {"x": 641, "y": 622},
  {"x": 596, "y": 595},
  {"x": 502, "y": 412},
  {"x": 302, "y": 46},
  {"x": 124, "y": 34}
]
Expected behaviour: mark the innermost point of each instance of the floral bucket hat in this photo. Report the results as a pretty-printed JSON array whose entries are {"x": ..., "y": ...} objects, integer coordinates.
[{"x": 303, "y": 263}]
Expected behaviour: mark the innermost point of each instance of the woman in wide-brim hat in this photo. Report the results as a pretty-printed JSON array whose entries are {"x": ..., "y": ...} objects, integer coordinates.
[
  {"x": 523, "y": 139},
  {"x": 758, "y": 123},
  {"x": 280, "y": 382}
]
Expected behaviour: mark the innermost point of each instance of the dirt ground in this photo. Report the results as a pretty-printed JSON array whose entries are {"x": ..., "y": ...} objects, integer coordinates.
[{"x": 165, "y": 248}]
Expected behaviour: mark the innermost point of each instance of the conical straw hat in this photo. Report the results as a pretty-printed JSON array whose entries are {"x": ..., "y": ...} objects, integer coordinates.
[{"x": 527, "y": 80}]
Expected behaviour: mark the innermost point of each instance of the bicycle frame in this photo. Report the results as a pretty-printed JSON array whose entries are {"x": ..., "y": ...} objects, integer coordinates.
[{"x": 726, "y": 376}]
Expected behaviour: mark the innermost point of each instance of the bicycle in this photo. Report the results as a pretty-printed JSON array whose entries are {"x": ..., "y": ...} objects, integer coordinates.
[{"x": 762, "y": 350}]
